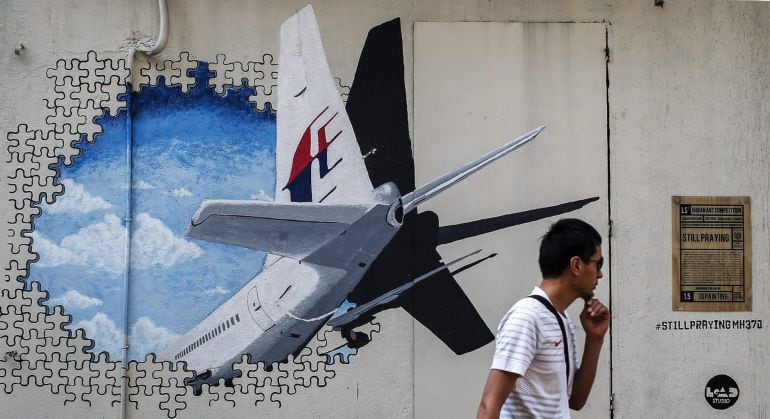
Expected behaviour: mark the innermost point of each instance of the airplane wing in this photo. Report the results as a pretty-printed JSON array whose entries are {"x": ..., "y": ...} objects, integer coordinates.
[
  {"x": 317, "y": 156},
  {"x": 449, "y": 314},
  {"x": 451, "y": 233},
  {"x": 285, "y": 229},
  {"x": 353, "y": 314},
  {"x": 412, "y": 199},
  {"x": 441, "y": 305}
]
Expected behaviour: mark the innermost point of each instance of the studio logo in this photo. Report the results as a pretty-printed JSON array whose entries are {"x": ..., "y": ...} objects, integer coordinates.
[{"x": 721, "y": 392}]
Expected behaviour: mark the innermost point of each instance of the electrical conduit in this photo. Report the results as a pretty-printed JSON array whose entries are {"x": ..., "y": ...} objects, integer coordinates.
[{"x": 157, "y": 46}]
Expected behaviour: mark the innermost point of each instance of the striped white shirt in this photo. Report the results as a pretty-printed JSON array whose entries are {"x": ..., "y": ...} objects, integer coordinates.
[{"x": 528, "y": 344}]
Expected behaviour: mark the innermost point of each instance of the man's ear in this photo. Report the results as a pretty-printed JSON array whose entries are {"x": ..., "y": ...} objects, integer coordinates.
[{"x": 574, "y": 265}]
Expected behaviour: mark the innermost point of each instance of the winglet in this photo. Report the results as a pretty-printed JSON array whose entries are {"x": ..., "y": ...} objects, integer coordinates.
[{"x": 424, "y": 193}]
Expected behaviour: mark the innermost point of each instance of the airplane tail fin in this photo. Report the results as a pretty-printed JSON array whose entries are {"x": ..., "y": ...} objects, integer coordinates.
[
  {"x": 317, "y": 155},
  {"x": 424, "y": 193},
  {"x": 377, "y": 108}
]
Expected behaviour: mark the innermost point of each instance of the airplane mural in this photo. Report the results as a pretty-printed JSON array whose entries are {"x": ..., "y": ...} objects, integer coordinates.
[{"x": 344, "y": 234}]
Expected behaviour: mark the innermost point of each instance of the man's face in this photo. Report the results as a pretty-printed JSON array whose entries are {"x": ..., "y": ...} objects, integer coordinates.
[{"x": 589, "y": 273}]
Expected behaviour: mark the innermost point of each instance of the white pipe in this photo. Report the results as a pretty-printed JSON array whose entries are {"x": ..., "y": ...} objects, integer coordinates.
[
  {"x": 128, "y": 219},
  {"x": 160, "y": 42},
  {"x": 158, "y": 45}
]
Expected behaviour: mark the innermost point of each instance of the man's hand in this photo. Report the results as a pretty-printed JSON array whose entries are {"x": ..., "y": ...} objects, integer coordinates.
[{"x": 595, "y": 319}]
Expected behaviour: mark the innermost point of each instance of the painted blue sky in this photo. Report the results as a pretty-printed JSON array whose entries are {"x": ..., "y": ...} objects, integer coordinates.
[{"x": 187, "y": 147}]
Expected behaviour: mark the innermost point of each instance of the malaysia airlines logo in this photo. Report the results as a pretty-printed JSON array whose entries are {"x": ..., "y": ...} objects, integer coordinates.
[{"x": 300, "y": 178}]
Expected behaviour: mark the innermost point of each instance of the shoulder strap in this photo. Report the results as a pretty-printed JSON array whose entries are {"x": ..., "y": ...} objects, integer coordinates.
[{"x": 551, "y": 308}]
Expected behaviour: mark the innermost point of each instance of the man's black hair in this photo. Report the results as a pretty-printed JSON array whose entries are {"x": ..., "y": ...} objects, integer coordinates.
[{"x": 566, "y": 238}]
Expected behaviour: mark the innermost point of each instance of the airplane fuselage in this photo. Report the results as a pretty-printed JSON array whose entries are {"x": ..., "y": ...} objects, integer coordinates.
[{"x": 281, "y": 308}]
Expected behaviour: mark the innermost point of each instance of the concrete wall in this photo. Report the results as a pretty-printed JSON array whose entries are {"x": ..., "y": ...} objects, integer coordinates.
[
  {"x": 688, "y": 115},
  {"x": 522, "y": 75}
]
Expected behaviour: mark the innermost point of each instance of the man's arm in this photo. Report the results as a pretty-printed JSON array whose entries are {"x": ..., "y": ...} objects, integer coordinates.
[
  {"x": 596, "y": 320},
  {"x": 499, "y": 386}
]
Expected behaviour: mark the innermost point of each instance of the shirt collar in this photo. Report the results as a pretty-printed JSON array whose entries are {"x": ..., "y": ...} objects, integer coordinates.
[{"x": 539, "y": 291}]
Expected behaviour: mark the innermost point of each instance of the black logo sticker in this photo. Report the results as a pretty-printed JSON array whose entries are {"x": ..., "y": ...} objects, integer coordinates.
[{"x": 721, "y": 392}]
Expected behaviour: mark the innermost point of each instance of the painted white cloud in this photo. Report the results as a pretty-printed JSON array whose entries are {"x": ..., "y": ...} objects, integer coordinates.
[
  {"x": 219, "y": 290},
  {"x": 181, "y": 192},
  {"x": 75, "y": 299},
  {"x": 261, "y": 196},
  {"x": 143, "y": 185},
  {"x": 104, "y": 332},
  {"x": 153, "y": 244},
  {"x": 76, "y": 200},
  {"x": 101, "y": 246},
  {"x": 50, "y": 253},
  {"x": 146, "y": 337},
  {"x": 140, "y": 185}
]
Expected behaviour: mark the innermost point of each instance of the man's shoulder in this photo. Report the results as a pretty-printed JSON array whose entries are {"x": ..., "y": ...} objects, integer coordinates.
[
  {"x": 528, "y": 305},
  {"x": 526, "y": 309}
]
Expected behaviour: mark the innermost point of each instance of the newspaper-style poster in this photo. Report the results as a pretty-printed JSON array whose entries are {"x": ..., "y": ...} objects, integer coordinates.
[{"x": 711, "y": 253}]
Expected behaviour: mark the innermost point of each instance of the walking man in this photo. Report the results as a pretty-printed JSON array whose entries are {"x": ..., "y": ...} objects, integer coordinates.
[{"x": 534, "y": 371}]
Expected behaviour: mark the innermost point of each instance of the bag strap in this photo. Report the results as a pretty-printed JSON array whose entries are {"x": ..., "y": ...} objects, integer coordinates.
[{"x": 551, "y": 308}]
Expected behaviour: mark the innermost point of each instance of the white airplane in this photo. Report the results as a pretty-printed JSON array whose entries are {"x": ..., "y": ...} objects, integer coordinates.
[{"x": 326, "y": 228}]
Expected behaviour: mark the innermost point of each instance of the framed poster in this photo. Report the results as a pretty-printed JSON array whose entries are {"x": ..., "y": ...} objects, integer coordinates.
[{"x": 711, "y": 253}]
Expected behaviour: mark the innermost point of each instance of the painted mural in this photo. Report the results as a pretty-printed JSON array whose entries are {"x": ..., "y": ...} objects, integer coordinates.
[
  {"x": 187, "y": 146},
  {"x": 264, "y": 238}
]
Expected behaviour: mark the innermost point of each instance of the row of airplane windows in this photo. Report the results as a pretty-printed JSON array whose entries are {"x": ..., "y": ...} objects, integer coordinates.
[{"x": 210, "y": 335}]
